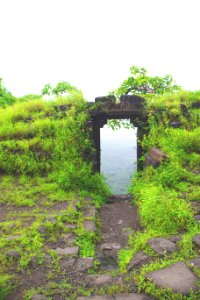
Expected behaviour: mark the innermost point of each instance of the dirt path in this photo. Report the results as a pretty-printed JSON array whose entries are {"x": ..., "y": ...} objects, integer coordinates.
[{"x": 118, "y": 219}]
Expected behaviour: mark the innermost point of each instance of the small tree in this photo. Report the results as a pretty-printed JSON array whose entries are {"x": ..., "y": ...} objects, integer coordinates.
[
  {"x": 140, "y": 83},
  {"x": 61, "y": 88},
  {"x": 6, "y": 98}
]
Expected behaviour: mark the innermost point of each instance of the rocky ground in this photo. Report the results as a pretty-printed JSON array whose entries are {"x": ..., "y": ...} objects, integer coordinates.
[{"x": 62, "y": 273}]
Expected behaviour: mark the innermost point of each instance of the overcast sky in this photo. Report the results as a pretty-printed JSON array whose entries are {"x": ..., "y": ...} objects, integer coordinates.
[{"x": 93, "y": 43}]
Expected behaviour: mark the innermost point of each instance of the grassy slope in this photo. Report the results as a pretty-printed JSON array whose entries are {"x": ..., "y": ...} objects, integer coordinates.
[
  {"x": 43, "y": 169},
  {"x": 163, "y": 195}
]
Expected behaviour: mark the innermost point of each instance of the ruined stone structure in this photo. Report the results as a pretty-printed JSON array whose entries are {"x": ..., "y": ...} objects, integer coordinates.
[{"x": 105, "y": 108}]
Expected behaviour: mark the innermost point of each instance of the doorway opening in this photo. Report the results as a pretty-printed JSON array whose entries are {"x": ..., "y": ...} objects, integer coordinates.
[{"x": 118, "y": 157}]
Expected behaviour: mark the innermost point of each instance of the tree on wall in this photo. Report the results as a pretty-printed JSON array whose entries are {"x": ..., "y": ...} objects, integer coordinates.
[
  {"x": 140, "y": 83},
  {"x": 61, "y": 88}
]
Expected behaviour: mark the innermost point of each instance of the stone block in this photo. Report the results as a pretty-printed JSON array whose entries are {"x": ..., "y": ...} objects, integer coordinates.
[
  {"x": 138, "y": 259},
  {"x": 177, "y": 277},
  {"x": 67, "y": 251},
  {"x": 162, "y": 246}
]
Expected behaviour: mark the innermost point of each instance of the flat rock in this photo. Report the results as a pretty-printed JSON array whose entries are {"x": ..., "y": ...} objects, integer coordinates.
[
  {"x": 67, "y": 250},
  {"x": 66, "y": 264},
  {"x": 110, "y": 246},
  {"x": 196, "y": 240},
  {"x": 138, "y": 259},
  {"x": 89, "y": 211},
  {"x": 47, "y": 258},
  {"x": 14, "y": 254},
  {"x": 42, "y": 229},
  {"x": 131, "y": 296},
  {"x": 83, "y": 264},
  {"x": 175, "y": 238},
  {"x": 162, "y": 246},
  {"x": 99, "y": 279},
  {"x": 89, "y": 225},
  {"x": 197, "y": 217},
  {"x": 195, "y": 262},
  {"x": 176, "y": 277}
]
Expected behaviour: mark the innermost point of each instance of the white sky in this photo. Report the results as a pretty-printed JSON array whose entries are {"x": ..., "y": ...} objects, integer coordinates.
[{"x": 93, "y": 43}]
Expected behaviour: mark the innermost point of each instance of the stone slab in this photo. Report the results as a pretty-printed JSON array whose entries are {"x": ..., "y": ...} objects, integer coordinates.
[
  {"x": 67, "y": 251},
  {"x": 99, "y": 280},
  {"x": 138, "y": 259},
  {"x": 177, "y": 277},
  {"x": 196, "y": 240},
  {"x": 195, "y": 262},
  {"x": 83, "y": 264},
  {"x": 162, "y": 246},
  {"x": 89, "y": 225},
  {"x": 110, "y": 246}
]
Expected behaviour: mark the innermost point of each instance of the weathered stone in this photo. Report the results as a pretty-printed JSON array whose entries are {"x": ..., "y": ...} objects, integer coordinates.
[
  {"x": 99, "y": 279},
  {"x": 89, "y": 211},
  {"x": 175, "y": 238},
  {"x": 131, "y": 101},
  {"x": 197, "y": 217},
  {"x": 195, "y": 262},
  {"x": 51, "y": 220},
  {"x": 110, "y": 246},
  {"x": 14, "y": 253},
  {"x": 175, "y": 124},
  {"x": 176, "y": 277},
  {"x": 138, "y": 259},
  {"x": 39, "y": 297},
  {"x": 69, "y": 239},
  {"x": 105, "y": 99},
  {"x": 66, "y": 264},
  {"x": 195, "y": 104},
  {"x": 107, "y": 262},
  {"x": 67, "y": 250},
  {"x": 196, "y": 240},
  {"x": 97, "y": 298},
  {"x": 84, "y": 264},
  {"x": 89, "y": 225},
  {"x": 13, "y": 237},
  {"x": 162, "y": 246},
  {"x": 131, "y": 296},
  {"x": 42, "y": 229},
  {"x": 150, "y": 162},
  {"x": 157, "y": 155},
  {"x": 47, "y": 258}
]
